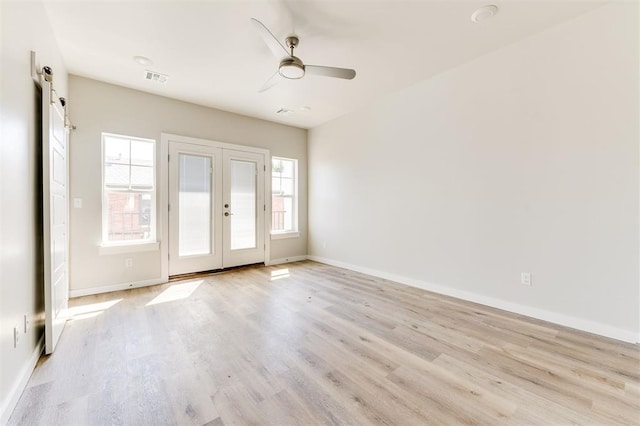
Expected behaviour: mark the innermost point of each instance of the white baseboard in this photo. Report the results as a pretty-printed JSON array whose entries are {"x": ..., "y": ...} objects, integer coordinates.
[
  {"x": 9, "y": 404},
  {"x": 553, "y": 317},
  {"x": 114, "y": 287},
  {"x": 286, "y": 260}
]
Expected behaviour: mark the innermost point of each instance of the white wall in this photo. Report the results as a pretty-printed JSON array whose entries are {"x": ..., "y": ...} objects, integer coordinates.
[
  {"x": 524, "y": 160},
  {"x": 24, "y": 27},
  {"x": 100, "y": 107}
]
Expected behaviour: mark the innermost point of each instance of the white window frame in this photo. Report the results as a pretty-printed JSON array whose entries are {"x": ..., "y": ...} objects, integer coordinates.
[
  {"x": 147, "y": 244},
  {"x": 293, "y": 233}
]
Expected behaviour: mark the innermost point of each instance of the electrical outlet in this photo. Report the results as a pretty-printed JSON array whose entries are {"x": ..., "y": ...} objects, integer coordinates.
[
  {"x": 26, "y": 323},
  {"x": 16, "y": 336},
  {"x": 525, "y": 278},
  {"x": 128, "y": 262}
]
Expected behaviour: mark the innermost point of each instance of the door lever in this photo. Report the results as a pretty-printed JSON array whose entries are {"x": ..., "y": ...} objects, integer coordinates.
[{"x": 228, "y": 214}]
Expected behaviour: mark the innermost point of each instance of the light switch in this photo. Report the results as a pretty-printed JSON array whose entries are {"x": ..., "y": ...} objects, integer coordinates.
[{"x": 77, "y": 203}]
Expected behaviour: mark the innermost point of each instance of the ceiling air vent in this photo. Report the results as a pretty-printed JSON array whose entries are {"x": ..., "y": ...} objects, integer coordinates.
[{"x": 156, "y": 77}]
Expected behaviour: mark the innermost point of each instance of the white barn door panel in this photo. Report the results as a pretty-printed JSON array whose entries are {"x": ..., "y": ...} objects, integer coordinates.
[{"x": 55, "y": 215}]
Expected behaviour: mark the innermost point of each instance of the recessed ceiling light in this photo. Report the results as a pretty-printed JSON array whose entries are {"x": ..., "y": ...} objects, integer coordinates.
[
  {"x": 484, "y": 13},
  {"x": 142, "y": 60}
]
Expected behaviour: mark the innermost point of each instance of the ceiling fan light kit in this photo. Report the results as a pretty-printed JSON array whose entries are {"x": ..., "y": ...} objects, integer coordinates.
[{"x": 291, "y": 67}]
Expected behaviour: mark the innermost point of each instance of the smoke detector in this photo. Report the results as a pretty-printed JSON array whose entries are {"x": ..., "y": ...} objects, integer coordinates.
[
  {"x": 484, "y": 13},
  {"x": 142, "y": 60},
  {"x": 156, "y": 77}
]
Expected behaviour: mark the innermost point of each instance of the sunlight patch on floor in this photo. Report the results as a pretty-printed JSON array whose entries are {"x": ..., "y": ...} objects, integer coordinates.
[
  {"x": 91, "y": 310},
  {"x": 280, "y": 273},
  {"x": 176, "y": 292},
  {"x": 86, "y": 316}
]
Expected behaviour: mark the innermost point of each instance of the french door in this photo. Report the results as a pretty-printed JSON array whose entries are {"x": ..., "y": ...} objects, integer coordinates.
[{"x": 216, "y": 207}]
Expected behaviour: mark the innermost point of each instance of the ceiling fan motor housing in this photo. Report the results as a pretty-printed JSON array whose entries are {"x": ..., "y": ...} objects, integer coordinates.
[{"x": 292, "y": 42}]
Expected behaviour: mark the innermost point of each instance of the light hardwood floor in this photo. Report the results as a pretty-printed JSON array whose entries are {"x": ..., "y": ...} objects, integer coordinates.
[{"x": 307, "y": 343}]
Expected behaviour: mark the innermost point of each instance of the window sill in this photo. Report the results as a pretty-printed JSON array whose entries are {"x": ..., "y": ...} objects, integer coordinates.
[
  {"x": 283, "y": 235},
  {"x": 128, "y": 248}
]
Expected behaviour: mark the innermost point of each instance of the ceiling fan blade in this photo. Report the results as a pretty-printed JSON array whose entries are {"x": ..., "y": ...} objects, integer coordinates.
[
  {"x": 272, "y": 81},
  {"x": 345, "y": 73},
  {"x": 270, "y": 40}
]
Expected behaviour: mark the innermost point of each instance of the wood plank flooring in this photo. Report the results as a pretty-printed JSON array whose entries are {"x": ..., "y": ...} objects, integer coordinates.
[{"x": 306, "y": 343}]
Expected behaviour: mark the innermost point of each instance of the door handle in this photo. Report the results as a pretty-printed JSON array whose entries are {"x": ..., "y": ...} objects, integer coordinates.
[{"x": 228, "y": 214}]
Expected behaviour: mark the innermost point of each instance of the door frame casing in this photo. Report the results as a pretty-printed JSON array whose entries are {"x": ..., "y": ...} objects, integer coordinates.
[{"x": 163, "y": 195}]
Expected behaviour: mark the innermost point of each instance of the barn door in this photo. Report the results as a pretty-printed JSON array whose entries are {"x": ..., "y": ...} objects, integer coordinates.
[{"x": 55, "y": 215}]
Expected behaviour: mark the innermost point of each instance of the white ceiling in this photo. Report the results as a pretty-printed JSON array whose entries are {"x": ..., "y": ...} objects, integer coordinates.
[{"x": 214, "y": 56}]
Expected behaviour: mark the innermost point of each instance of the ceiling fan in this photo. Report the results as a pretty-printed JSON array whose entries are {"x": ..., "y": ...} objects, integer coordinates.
[{"x": 291, "y": 67}]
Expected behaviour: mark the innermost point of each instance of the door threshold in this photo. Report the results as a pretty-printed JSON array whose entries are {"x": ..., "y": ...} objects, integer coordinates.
[{"x": 191, "y": 275}]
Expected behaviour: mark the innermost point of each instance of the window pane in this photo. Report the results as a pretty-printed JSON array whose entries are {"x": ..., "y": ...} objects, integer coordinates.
[
  {"x": 277, "y": 214},
  {"x": 116, "y": 174},
  {"x": 276, "y": 166},
  {"x": 287, "y": 168},
  {"x": 283, "y": 199},
  {"x": 287, "y": 186},
  {"x": 142, "y": 153},
  {"x": 116, "y": 150},
  {"x": 288, "y": 214},
  {"x": 243, "y": 204},
  {"x": 282, "y": 214},
  {"x": 128, "y": 216},
  {"x": 145, "y": 202},
  {"x": 194, "y": 210},
  {"x": 275, "y": 185},
  {"x": 142, "y": 176}
]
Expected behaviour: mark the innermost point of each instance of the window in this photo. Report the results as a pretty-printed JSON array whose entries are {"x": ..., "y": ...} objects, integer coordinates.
[
  {"x": 128, "y": 190},
  {"x": 284, "y": 196}
]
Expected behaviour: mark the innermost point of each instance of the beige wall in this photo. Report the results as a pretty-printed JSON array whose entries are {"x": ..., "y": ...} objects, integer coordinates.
[
  {"x": 24, "y": 27},
  {"x": 524, "y": 160},
  {"x": 100, "y": 107}
]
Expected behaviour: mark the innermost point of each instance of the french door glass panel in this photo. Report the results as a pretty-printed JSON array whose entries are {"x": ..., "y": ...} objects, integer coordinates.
[
  {"x": 243, "y": 204},
  {"x": 195, "y": 193},
  {"x": 195, "y": 201},
  {"x": 243, "y": 197}
]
